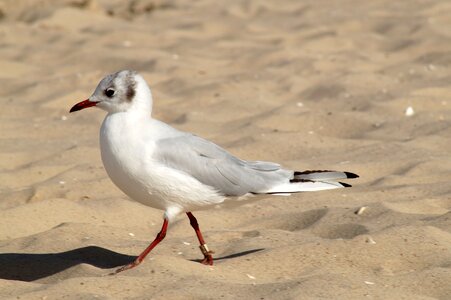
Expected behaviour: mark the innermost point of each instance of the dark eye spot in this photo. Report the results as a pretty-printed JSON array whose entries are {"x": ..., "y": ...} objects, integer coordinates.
[{"x": 109, "y": 92}]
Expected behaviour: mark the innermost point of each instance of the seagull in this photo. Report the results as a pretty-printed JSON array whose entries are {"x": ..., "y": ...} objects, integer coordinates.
[{"x": 179, "y": 172}]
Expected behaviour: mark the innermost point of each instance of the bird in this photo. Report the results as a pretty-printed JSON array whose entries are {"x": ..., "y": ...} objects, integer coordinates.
[{"x": 179, "y": 172}]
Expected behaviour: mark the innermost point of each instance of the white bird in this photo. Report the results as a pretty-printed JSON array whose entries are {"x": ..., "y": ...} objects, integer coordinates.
[{"x": 175, "y": 171}]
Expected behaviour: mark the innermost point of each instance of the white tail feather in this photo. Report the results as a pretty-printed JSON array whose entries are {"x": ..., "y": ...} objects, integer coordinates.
[{"x": 309, "y": 186}]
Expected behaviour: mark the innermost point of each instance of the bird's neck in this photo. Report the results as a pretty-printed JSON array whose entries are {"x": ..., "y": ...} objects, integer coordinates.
[
  {"x": 140, "y": 107},
  {"x": 130, "y": 116}
]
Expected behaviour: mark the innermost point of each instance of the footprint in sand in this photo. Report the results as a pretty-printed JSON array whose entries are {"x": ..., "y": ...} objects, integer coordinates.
[
  {"x": 341, "y": 231},
  {"x": 296, "y": 221},
  {"x": 421, "y": 206}
]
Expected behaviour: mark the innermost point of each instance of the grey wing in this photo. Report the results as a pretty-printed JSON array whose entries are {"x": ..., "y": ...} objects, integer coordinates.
[{"x": 213, "y": 166}]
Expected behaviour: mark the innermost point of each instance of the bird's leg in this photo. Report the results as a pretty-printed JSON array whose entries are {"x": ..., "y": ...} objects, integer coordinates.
[
  {"x": 208, "y": 259},
  {"x": 140, "y": 258}
]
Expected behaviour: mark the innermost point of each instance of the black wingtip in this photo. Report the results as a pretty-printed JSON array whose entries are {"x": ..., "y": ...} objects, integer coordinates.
[
  {"x": 351, "y": 175},
  {"x": 300, "y": 180},
  {"x": 345, "y": 184}
]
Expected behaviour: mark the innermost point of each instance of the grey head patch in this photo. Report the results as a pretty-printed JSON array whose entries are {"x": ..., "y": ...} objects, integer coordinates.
[{"x": 130, "y": 83}]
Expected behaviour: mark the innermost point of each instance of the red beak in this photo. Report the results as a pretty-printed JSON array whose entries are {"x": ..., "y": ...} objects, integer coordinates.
[{"x": 81, "y": 105}]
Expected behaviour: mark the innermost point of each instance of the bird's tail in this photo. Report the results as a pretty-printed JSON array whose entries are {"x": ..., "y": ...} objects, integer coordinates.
[{"x": 309, "y": 181}]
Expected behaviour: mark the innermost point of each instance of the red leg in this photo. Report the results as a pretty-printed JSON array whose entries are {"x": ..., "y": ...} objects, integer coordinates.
[
  {"x": 159, "y": 238},
  {"x": 208, "y": 259}
]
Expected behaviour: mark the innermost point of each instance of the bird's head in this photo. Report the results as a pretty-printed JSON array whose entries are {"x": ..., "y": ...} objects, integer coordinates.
[{"x": 119, "y": 92}]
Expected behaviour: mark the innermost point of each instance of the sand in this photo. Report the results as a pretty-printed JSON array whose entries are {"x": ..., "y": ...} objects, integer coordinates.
[{"x": 309, "y": 84}]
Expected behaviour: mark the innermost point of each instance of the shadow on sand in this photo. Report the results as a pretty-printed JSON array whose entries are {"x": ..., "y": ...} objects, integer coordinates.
[
  {"x": 232, "y": 255},
  {"x": 31, "y": 267}
]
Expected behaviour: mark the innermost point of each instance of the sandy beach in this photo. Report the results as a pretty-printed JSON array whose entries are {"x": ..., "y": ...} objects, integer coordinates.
[{"x": 359, "y": 86}]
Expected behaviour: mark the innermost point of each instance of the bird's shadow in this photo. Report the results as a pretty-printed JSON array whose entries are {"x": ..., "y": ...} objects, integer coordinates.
[
  {"x": 31, "y": 267},
  {"x": 234, "y": 255}
]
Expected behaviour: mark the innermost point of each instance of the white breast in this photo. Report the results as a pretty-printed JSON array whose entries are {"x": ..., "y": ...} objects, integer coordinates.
[{"x": 127, "y": 145}]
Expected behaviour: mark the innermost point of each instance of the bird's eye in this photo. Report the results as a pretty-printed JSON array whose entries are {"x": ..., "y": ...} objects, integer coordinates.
[{"x": 109, "y": 92}]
